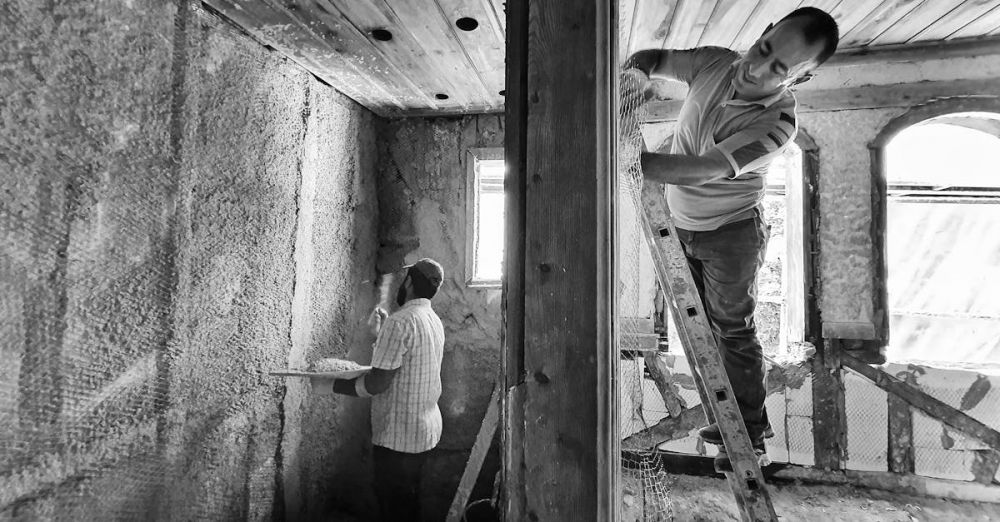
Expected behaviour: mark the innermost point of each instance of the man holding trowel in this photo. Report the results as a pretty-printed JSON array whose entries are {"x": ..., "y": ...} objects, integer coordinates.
[{"x": 404, "y": 385}]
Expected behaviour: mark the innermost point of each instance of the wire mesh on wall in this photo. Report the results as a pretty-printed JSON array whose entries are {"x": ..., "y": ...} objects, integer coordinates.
[
  {"x": 125, "y": 186},
  {"x": 645, "y": 494}
]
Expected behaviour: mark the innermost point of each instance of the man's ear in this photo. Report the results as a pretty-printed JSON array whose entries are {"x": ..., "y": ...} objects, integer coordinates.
[{"x": 802, "y": 79}]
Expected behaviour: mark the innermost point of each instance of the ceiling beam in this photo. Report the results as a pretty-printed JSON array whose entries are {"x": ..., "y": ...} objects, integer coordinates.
[
  {"x": 855, "y": 98},
  {"x": 914, "y": 52}
]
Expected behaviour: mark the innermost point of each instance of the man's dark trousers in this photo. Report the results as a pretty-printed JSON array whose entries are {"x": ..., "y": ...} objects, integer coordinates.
[
  {"x": 724, "y": 263},
  {"x": 397, "y": 483}
]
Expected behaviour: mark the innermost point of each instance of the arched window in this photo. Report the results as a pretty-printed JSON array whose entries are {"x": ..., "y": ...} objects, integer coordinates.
[{"x": 943, "y": 241}]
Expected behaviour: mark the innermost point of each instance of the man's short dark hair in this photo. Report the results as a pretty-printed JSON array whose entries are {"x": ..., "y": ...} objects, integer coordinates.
[
  {"x": 819, "y": 26},
  {"x": 422, "y": 287}
]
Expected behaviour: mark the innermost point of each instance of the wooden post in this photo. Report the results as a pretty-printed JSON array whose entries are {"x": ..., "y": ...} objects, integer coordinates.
[
  {"x": 900, "y": 451},
  {"x": 829, "y": 416},
  {"x": 561, "y": 448},
  {"x": 512, "y": 306}
]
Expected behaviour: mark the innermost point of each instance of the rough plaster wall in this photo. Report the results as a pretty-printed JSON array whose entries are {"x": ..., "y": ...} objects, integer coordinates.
[
  {"x": 334, "y": 294},
  {"x": 278, "y": 161},
  {"x": 86, "y": 175},
  {"x": 422, "y": 176},
  {"x": 846, "y": 293},
  {"x": 244, "y": 123},
  {"x": 150, "y": 218}
]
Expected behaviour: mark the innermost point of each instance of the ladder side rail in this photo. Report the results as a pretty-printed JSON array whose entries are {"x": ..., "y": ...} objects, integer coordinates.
[{"x": 702, "y": 351}]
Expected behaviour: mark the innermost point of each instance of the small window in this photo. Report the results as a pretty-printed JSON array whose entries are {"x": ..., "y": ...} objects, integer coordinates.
[{"x": 485, "y": 217}]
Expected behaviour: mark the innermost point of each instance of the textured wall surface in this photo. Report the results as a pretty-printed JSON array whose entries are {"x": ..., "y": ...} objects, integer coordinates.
[
  {"x": 422, "y": 176},
  {"x": 182, "y": 212},
  {"x": 846, "y": 266},
  {"x": 334, "y": 293},
  {"x": 88, "y": 175}
]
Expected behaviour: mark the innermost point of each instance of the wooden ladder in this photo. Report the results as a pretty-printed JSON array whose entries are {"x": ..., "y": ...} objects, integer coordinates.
[{"x": 703, "y": 355}]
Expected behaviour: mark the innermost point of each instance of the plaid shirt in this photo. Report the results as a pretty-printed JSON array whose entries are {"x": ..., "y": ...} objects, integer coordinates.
[{"x": 406, "y": 417}]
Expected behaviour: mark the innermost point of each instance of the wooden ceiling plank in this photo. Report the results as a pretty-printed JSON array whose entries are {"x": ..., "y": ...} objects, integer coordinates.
[
  {"x": 883, "y": 17},
  {"x": 626, "y": 30},
  {"x": 652, "y": 24},
  {"x": 481, "y": 10},
  {"x": 328, "y": 18},
  {"x": 360, "y": 17},
  {"x": 484, "y": 45},
  {"x": 850, "y": 13},
  {"x": 917, "y": 20},
  {"x": 980, "y": 26},
  {"x": 434, "y": 72},
  {"x": 689, "y": 23},
  {"x": 727, "y": 20},
  {"x": 767, "y": 12},
  {"x": 437, "y": 35},
  {"x": 966, "y": 13},
  {"x": 826, "y": 5},
  {"x": 499, "y": 10},
  {"x": 275, "y": 28},
  {"x": 340, "y": 37}
]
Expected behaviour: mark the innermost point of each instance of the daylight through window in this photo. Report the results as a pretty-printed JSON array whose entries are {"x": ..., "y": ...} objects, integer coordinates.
[{"x": 486, "y": 217}]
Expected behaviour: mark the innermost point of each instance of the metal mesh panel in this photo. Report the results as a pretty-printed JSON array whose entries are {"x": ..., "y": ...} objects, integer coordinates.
[
  {"x": 86, "y": 291},
  {"x": 639, "y": 405}
]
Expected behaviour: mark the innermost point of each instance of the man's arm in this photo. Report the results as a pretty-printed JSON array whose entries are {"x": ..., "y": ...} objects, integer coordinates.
[
  {"x": 387, "y": 357},
  {"x": 646, "y": 61},
  {"x": 682, "y": 169},
  {"x": 676, "y": 64},
  {"x": 376, "y": 381}
]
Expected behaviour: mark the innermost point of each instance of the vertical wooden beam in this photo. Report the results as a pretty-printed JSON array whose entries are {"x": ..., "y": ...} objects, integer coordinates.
[
  {"x": 562, "y": 445},
  {"x": 829, "y": 417},
  {"x": 810, "y": 240},
  {"x": 880, "y": 263},
  {"x": 900, "y": 451},
  {"x": 512, "y": 307}
]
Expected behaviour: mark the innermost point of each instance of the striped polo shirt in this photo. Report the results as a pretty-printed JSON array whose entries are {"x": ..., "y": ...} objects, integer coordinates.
[
  {"x": 406, "y": 417},
  {"x": 750, "y": 134}
]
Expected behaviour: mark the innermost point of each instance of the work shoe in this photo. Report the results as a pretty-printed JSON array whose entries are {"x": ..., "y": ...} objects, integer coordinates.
[
  {"x": 712, "y": 435},
  {"x": 723, "y": 464}
]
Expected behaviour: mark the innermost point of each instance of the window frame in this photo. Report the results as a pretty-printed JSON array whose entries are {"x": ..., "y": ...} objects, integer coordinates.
[{"x": 472, "y": 158}]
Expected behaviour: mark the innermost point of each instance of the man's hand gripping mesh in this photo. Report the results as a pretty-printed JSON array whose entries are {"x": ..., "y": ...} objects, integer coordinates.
[{"x": 632, "y": 107}]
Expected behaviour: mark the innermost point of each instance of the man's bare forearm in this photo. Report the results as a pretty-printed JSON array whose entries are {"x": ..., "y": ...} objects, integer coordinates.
[{"x": 681, "y": 169}]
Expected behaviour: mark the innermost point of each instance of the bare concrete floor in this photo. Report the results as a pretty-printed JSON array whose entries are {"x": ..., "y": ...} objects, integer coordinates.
[{"x": 694, "y": 498}]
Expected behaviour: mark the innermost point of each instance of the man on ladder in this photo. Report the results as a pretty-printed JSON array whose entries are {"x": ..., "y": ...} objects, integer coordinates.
[{"x": 737, "y": 117}]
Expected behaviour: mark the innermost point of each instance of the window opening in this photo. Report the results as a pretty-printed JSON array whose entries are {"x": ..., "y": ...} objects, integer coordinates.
[
  {"x": 485, "y": 215},
  {"x": 943, "y": 241}
]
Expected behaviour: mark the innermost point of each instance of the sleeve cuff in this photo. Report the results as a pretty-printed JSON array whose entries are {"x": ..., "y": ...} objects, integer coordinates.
[{"x": 732, "y": 161}]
